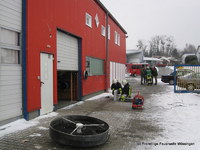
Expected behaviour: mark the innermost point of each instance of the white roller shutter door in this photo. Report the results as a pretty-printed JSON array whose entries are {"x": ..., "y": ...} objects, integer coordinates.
[
  {"x": 67, "y": 52},
  {"x": 117, "y": 71},
  {"x": 10, "y": 74}
]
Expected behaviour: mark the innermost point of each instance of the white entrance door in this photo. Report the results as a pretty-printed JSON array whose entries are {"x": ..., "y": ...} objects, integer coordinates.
[{"x": 46, "y": 71}]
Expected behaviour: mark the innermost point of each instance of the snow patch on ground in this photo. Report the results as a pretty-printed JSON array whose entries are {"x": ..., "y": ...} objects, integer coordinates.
[
  {"x": 35, "y": 134},
  {"x": 43, "y": 128},
  {"x": 181, "y": 121},
  {"x": 100, "y": 96},
  {"x": 72, "y": 105},
  {"x": 22, "y": 124},
  {"x": 18, "y": 125}
]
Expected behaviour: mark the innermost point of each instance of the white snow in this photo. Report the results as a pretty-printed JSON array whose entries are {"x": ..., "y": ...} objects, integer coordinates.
[
  {"x": 99, "y": 96},
  {"x": 43, "y": 128},
  {"x": 90, "y": 99},
  {"x": 22, "y": 124},
  {"x": 35, "y": 134},
  {"x": 181, "y": 121}
]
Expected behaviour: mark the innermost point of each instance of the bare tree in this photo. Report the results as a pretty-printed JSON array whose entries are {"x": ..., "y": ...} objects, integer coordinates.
[
  {"x": 189, "y": 48},
  {"x": 142, "y": 46}
]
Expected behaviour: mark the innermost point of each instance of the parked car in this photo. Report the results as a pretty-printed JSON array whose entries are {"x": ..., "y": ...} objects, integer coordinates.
[
  {"x": 190, "y": 81},
  {"x": 170, "y": 78}
]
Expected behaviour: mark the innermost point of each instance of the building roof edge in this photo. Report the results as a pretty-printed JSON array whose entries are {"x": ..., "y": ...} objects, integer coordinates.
[{"x": 111, "y": 16}]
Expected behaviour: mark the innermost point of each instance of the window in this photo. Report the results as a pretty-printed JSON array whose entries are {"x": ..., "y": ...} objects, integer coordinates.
[
  {"x": 9, "y": 56},
  {"x": 9, "y": 46},
  {"x": 117, "y": 38},
  {"x": 103, "y": 30},
  {"x": 109, "y": 32},
  {"x": 94, "y": 66},
  {"x": 88, "y": 20},
  {"x": 9, "y": 37}
]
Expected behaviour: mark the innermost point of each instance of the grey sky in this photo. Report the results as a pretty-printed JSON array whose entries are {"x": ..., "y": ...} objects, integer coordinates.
[{"x": 143, "y": 19}]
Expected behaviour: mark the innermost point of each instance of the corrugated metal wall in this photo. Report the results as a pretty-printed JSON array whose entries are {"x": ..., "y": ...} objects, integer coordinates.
[{"x": 10, "y": 74}]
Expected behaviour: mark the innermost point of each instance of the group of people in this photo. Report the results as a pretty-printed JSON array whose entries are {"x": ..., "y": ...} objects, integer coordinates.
[
  {"x": 148, "y": 74},
  {"x": 124, "y": 92}
]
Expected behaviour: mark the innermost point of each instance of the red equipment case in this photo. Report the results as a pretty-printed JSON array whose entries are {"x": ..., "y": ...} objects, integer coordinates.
[{"x": 138, "y": 101}]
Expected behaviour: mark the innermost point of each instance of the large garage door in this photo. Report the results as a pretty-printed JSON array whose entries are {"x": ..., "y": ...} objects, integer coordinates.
[
  {"x": 117, "y": 71},
  {"x": 67, "y": 52},
  {"x": 10, "y": 64}
]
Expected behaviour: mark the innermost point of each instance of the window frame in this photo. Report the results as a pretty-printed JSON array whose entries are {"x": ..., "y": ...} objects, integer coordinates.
[
  {"x": 89, "y": 66},
  {"x": 88, "y": 17},
  {"x": 103, "y": 30},
  {"x": 109, "y": 32},
  {"x": 116, "y": 39},
  {"x": 15, "y": 46}
]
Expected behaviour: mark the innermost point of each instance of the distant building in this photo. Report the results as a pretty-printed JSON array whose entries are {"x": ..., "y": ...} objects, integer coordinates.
[
  {"x": 134, "y": 56},
  {"x": 151, "y": 60}
]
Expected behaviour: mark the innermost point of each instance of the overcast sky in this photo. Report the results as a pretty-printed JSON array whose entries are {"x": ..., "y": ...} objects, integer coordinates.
[{"x": 143, "y": 19}]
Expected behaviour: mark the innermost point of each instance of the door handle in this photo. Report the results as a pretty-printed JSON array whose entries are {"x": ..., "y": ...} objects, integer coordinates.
[{"x": 41, "y": 83}]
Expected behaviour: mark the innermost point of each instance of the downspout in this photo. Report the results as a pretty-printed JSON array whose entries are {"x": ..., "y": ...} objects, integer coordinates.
[
  {"x": 80, "y": 87},
  {"x": 107, "y": 56},
  {"x": 24, "y": 75}
]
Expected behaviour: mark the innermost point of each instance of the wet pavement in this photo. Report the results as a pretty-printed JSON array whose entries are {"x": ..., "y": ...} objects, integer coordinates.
[{"x": 129, "y": 128}]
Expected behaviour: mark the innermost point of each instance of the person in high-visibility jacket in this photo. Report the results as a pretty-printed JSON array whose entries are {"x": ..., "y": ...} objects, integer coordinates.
[
  {"x": 116, "y": 85},
  {"x": 149, "y": 76},
  {"x": 126, "y": 91}
]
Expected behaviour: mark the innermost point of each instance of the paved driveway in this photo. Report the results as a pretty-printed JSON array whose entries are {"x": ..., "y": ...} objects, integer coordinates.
[{"x": 129, "y": 129}]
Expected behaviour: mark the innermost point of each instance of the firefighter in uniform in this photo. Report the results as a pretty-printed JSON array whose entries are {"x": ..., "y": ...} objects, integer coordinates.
[
  {"x": 126, "y": 91},
  {"x": 116, "y": 86}
]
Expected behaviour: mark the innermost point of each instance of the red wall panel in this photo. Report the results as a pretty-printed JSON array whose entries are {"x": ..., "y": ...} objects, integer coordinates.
[{"x": 43, "y": 19}]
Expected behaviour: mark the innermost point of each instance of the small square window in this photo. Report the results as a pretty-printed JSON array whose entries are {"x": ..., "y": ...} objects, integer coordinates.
[
  {"x": 103, "y": 30},
  {"x": 88, "y": 20}
]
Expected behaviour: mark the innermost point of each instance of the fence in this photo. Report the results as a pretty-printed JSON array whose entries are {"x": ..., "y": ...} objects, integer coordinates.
[{"x": 187, "y": 79}]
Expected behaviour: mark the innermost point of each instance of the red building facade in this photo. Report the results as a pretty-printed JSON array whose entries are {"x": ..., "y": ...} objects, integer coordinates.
[{"x": 98, "y": 37}]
